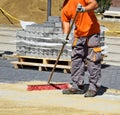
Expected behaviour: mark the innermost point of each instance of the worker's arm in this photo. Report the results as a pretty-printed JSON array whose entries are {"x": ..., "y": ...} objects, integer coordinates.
[
  {"x": 64, "y": 37},
  {"x": 65, "y": 27},
  {"x": 92, "y": 5}
]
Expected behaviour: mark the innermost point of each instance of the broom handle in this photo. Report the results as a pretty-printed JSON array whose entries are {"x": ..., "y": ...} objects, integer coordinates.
[{"x": 62, "y": 48}]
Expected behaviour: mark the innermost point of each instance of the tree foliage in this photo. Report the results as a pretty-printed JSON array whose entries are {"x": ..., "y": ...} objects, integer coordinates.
[{"x": 103, "y": 5}]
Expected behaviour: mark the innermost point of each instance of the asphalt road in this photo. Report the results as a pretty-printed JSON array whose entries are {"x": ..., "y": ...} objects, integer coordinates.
[{"x": 8, "y": 74}]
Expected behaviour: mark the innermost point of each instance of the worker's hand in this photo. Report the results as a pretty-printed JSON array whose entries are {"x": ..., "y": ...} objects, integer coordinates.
[
  {"x": 63, "y": 39},
  {"x": 80, "y": 8}
]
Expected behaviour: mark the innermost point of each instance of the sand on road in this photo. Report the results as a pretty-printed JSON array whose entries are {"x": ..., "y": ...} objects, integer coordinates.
[{"x": 16, "y": 100}]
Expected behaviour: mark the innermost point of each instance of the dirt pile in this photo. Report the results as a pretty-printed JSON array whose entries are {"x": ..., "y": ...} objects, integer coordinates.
[{"x": 28, "y": 10}]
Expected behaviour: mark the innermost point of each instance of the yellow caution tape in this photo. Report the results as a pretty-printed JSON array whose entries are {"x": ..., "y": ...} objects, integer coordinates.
[{"x": 9, "y": 14}]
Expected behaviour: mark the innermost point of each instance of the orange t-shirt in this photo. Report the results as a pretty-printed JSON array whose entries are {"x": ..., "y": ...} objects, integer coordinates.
[{"x": 86, "y": 23}]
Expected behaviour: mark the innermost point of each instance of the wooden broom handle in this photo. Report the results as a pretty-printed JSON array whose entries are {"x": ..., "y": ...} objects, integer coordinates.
[{"x": 61, "y": 50}]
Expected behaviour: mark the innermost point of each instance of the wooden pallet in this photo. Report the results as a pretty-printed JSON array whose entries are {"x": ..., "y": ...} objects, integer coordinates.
[{"x": 43, "y": 64}]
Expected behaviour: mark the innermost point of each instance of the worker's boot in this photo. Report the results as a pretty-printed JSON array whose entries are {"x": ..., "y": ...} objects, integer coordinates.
[
  {"x": 72, "y": 90},
  {"x": 90, "y": 93}
]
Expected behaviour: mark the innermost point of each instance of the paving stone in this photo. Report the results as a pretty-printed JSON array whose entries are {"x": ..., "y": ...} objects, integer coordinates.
[
  {"x": 54, "y": 19},
  {"x": 110, "y": 75}
]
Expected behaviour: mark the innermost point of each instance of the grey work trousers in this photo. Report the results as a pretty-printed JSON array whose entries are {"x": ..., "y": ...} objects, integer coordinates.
[{"x": 82, "y": 52}]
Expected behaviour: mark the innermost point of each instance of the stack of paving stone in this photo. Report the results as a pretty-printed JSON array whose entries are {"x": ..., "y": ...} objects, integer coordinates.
[{"x": 43, "y": 40}]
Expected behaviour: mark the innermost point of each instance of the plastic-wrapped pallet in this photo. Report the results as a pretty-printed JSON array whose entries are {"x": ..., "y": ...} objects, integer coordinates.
[{"x": 42, "y": 40}]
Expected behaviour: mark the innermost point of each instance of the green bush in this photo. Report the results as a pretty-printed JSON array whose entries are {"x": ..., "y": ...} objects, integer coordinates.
[{"x": 103, "y": 5}]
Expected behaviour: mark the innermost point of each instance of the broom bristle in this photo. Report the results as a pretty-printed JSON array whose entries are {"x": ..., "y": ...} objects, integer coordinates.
[{"x": 48, "y": 87}]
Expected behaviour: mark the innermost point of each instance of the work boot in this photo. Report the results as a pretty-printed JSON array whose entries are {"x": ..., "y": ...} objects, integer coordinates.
[
  {"x": 81, "y": 87},
  {"x": 90, "y": 93},
  {"x": 73, "y": 91}
]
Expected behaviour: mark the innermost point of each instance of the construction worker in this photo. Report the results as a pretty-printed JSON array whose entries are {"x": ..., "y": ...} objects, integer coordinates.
[{"x": 85, "y": 46}]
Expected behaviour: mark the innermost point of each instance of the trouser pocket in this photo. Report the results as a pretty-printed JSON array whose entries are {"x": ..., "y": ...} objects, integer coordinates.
[{"x": 94, "y": 54}]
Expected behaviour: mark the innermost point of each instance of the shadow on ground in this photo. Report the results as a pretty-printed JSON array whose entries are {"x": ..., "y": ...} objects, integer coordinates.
[{"x": 101, "y": 89}]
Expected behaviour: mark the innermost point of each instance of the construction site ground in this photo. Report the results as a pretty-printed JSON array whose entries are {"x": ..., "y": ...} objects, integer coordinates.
[{"x": 15, "y": 99}]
